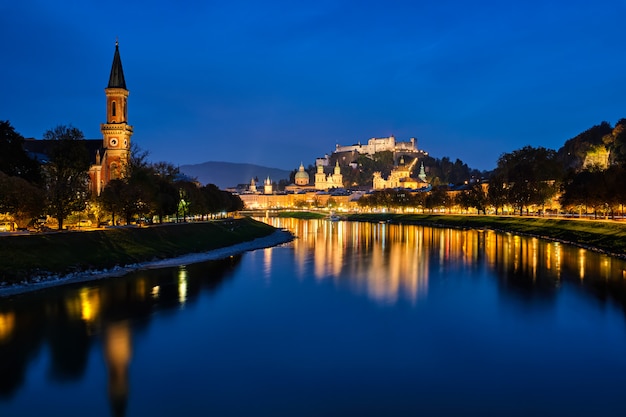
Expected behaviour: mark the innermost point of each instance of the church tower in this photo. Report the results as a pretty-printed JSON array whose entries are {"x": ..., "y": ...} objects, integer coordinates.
[
  {"x": 268, "y": 188},
  {"x": 116, "y": 132}
]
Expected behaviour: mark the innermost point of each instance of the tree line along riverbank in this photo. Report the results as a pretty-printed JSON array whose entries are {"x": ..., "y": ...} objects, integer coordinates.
[
  {"x": 25, "y": 256},
  {"x": 608, "y": 236}
]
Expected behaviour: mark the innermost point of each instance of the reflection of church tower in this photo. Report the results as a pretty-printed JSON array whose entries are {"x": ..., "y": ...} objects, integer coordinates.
[
  {"x": 117, "y": 353},
  {"x": 116, "y": 132}
]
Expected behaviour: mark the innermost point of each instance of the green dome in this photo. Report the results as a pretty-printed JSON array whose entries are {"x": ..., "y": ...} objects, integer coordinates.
[{"x": 302, "y": 175}]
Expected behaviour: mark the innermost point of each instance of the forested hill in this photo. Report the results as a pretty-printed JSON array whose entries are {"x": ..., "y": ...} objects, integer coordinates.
[
  {"x": 229, "y": 174},
  {"x": 603, "y": 136},
  {"x": 438, "y": 170}
]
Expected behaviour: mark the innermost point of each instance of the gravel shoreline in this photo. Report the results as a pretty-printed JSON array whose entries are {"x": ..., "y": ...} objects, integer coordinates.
[{"x": 38, "y": 283}]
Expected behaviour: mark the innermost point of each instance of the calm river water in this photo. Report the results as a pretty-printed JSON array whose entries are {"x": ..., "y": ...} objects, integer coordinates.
[{"x": 350, "y": 319}]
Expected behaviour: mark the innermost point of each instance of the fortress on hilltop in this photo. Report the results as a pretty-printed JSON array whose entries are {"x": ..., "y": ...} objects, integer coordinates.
[
  {"x": 373, "y": 146},
  {"x": 380, "y": 145},
  {"x": 328, "y": 185},
  {"x": 346, "y": 157}
]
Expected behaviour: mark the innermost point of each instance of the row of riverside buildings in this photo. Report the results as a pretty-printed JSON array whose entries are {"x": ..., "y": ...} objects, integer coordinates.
[{"x": 326, "y": 186}]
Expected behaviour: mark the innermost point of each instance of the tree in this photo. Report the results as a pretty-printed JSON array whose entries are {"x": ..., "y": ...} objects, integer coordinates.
[
  {"x": 478, "y": 197},
  {"x": 573, "y": 153},
  {"x": 474, "y": 197},
  {"x": 617, "y": 143},
  {"x": 437, "y": 198},
  {"x": 217, "y": 201},
  {"x": 66, "y": 172},
  {"x": 603, "y": 191},
  {"x": 531, "y": 176},
  {"x": 112, "y": 198},
  {"x": 145, "y": 189},
  {"x": 14, "y": 161},
  {"x": 20, "y": 198},
  {"x": 20, "y": 178},
  {"x": 191, "y": 200},
  {"x": 366, "y": 166},
  {"x": 232, "y": 202},
  {"x": 497, "y": 192},
  {"x": 163, "y": 195},
  {"x": 165, "y": 198}
]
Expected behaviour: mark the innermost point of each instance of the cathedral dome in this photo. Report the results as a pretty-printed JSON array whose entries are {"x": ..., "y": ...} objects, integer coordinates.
[{"x": 302, "y": 177}]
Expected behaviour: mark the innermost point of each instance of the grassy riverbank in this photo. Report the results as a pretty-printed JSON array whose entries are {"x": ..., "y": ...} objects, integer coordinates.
[
  {"x": 64, "y": 252},
  {"x": 605, "y": 236}
]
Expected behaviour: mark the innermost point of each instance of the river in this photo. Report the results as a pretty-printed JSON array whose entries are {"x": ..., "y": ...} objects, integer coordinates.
[{"x": 348, "y": 319}]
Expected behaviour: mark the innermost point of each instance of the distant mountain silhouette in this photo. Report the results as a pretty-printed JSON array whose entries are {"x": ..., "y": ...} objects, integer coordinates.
[{"x": 229, "y": 174}]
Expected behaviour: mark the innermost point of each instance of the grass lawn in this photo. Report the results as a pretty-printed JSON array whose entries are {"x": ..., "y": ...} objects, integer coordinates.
[
  {"x": 63, "y": 252},
  {"x": 302, "y": 214}
]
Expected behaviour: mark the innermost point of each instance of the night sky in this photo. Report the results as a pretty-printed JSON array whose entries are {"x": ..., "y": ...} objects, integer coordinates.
[{"x": 280, "y": 82}]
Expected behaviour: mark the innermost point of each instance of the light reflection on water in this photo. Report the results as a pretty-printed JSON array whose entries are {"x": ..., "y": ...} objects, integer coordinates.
[
  {"x": 396, "y": 260},
  {"x": 383, "y": 313}
]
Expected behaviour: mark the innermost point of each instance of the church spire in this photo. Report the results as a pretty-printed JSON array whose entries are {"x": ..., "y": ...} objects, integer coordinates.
[
  {"x": 116, "y": 132},
  {"x": 116, "y": 80}
]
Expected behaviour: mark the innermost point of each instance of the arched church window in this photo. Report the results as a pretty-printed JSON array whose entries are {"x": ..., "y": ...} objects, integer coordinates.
[{"x": 113, "y": 109}]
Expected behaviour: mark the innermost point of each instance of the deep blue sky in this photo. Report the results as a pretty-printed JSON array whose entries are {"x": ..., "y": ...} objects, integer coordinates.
[{"x": 279, "y": 82}]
